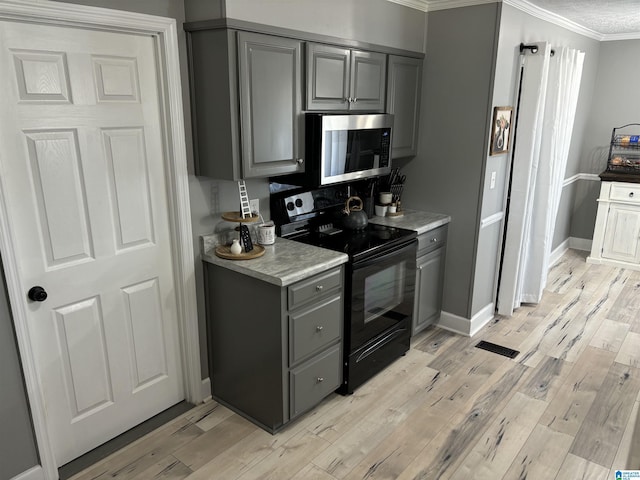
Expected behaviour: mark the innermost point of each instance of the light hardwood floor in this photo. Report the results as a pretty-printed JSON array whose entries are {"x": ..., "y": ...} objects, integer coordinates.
[{"x": 564, "y": 408}]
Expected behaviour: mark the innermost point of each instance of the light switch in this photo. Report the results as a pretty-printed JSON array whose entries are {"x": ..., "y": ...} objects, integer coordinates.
[{"x": 493, "y": 181}]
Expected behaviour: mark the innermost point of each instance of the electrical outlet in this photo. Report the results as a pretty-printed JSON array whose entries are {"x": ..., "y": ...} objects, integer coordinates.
[
  {"x": 493, "y": 180},
  {"x": 255, "y": 205}
]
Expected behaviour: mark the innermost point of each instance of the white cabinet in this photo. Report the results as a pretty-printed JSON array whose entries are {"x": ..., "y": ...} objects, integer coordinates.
[{"x": 616, "y": 238}]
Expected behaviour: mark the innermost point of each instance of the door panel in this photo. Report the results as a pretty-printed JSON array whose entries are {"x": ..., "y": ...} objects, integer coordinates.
[
  {"x": 60, "y": 196},
  {"x": 82, "y": 170}
]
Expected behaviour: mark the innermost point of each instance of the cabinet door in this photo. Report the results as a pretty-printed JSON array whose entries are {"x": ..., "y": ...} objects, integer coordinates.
[
  {"x": 368, "y": 80},
  {"x": 429, "y": 285},
  {"x": 404, "y": 84},
  {"x": 270, "y": 104},
  {"x": 621, "y": 234},
  {"x": 327, "y": 77}
]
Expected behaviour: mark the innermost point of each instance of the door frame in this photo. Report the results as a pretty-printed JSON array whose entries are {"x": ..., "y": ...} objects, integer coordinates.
[{"x": 164, "y": 32}]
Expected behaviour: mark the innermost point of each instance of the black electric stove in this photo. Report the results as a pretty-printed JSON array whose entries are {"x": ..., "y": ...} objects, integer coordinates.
[
  {"x": 379, "y": 277},
  {"x": 359, "y": 244}
]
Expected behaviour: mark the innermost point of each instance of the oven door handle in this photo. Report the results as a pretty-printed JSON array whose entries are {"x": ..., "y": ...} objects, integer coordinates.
[
  {"x": 388, "y": 256},
  {"x": 383, "y": 341}
]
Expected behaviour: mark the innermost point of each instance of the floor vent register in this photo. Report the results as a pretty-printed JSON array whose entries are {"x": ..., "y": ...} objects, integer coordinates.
[{"x": 499, "y": 349}]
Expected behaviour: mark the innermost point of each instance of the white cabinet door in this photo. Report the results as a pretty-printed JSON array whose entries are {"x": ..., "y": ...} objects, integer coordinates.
[
  {"x": 621, "y": 234},
  {"x": 83, "y": 175}
]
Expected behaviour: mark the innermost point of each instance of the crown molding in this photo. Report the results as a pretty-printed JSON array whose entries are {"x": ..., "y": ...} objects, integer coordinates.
[
  {"x": 612, "y": 37},
  {"x": 550, "y": 17},
  {"x": 417, "y": 4},
  {"x": 524, "y": 6},
  {"x": 433, "y": 5}
]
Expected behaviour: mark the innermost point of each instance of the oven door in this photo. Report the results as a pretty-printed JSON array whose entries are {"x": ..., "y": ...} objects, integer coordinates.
[{"x": 382, "y": 294}]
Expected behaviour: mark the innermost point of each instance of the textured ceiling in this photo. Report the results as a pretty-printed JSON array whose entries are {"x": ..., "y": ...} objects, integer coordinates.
[{"x": 603, "y": 16}]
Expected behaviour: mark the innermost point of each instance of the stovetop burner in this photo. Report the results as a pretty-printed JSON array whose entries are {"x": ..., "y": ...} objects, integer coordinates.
[{"x": 358, "y": 244}]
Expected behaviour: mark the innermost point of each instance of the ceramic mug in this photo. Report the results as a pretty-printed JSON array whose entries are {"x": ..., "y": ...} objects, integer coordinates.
[
  {"x": 266, "y": 234},
  {"x": 381, "y": 210}
]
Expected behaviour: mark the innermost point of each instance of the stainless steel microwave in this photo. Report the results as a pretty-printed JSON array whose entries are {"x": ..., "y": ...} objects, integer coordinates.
[{"x": 342, "y": 148}]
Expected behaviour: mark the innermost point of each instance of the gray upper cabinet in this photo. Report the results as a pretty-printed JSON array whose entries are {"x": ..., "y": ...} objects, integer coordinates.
[
  {"x": 345, "y": 79},
  {"x": 404, "y": 84},
  {"x": 247, "y": 104},
  {"x": 271, "y": 104}
]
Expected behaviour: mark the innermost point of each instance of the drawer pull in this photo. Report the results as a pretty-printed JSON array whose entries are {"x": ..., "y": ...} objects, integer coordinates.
[
  {"x": 631, "y": 194},
  {"x": 319, "y": 379},
  {"x": 319, "y": 328},
  {"x": 319, "y": 288},
  {"x": 434, "y": 239}
]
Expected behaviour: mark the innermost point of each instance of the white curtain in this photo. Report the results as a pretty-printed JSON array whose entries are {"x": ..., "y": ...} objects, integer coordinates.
[{"x": 546, "y": 116}]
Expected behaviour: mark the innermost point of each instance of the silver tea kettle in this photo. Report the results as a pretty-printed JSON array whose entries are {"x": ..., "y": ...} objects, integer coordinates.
[{"x": 355, "y": 218}]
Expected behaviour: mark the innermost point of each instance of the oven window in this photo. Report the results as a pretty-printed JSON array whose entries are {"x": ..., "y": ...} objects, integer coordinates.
[{"x": 383, "y": 291}]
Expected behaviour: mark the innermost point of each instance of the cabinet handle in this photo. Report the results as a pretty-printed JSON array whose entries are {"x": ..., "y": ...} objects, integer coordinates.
[
  {"x": 319, "y": 288},
  {"x": 299, "y": 161},
  {"x": 347, "y": 100},
  {"x": 434, "y": 239},
  {"x": 355, "y": 99},
  {"x": 319, "y": 328},
  {"x": 631, "y": 194},
  {"x": 319, "y": 380}
]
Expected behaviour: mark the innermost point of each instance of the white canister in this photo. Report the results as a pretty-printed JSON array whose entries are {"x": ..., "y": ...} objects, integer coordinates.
[
  {"x": 267, "y": 233},
  {"x": 385, "y": 198},
  {"x": 381, "y": 210}
]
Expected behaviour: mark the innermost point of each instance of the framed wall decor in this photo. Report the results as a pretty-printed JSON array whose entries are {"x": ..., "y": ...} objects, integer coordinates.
[{"x": 501, "y": 130}]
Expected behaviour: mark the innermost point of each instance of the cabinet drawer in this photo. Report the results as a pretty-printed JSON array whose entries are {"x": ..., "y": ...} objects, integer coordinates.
[
  {"x": 314, "y": 380},
  {"x": 313, "y": 288},
  {"x": 431, "y": 240},
  {"x": 315, "y": 328},
  {"x": 625, "y": 192}
]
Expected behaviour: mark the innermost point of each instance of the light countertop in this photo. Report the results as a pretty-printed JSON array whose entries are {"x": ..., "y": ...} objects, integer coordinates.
[
  {"x": 418, "y": 221},
  {"x": 283, "y": 263},
  {"x": 288, "y": 261}
]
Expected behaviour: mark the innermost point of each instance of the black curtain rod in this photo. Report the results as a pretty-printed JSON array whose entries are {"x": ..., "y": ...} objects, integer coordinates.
[{"x": 533, "y": 49}]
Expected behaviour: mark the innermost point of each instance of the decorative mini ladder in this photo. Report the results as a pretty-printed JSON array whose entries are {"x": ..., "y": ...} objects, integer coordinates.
[{"x": 245, "y": 208}]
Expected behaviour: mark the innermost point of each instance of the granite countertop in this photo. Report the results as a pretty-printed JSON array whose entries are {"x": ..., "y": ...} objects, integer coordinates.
[
  {"x": 418, "y": 221},
  {"x": 283, "y": 263}
]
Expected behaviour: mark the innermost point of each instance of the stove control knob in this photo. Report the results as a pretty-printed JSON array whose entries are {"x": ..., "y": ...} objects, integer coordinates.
[
  {"x": 290, "y": 206},
  {"x": 298, "y": 202}
]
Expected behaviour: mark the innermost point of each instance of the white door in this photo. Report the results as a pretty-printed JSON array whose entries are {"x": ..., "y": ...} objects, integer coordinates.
[{"x": 82, "y": 169}]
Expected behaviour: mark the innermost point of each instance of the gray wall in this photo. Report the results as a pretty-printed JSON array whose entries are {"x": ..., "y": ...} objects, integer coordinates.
[
  {"x": 374, "y": 21},
  {"x": 17, "y": 442},
  {"x": 516, "y": 27},
  {"x": 448, "y": 173},
  {"x": 614, "y": 103}
]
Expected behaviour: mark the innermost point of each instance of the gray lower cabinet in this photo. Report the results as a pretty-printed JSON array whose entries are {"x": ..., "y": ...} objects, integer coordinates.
[
  {"x": 429, "y": 278},
  {"x": 274, "y": 352},
  {"x": 340, "y": 78},
  {"x": 404, "y": 84},
  {"x": 246, "y": 91}
]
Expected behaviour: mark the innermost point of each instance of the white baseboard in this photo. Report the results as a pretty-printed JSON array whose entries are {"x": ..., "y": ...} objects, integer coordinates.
[
  {"x": 206, "y": 389},
  {"x": 35, "y": 473},
  {"x": 571, "y": 242},
  {"x": 464, "y": 326}
]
